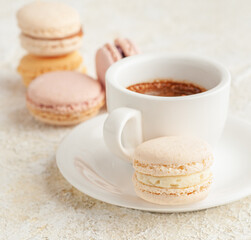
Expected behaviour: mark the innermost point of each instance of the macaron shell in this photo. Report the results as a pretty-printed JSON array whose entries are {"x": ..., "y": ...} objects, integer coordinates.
[
  {"x": 173, "y": 150},
  {"x": 177, "y": 182},
  {"x": 70, "y": 108},
  {"x": 164, "y": 196},
  {"x": 64, "y": 119},
  {"x": 105, "y": 57},
  {"x": 127, "y": 46},
  {"x": 63, "y": 88},
  {"x": 171, "y": 200},
  {"x": 48, "y": 20},
  {"x": 172, "y": 169},
  {"x": 27, "y": 79},
  {"x": 31, "y": 66},
  {"x": 50, "y": 47},
  {"x": 113, "y": 51}
]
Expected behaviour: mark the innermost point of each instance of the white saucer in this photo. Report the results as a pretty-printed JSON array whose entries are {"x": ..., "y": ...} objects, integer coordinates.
[{"x": 87, "y": 164}]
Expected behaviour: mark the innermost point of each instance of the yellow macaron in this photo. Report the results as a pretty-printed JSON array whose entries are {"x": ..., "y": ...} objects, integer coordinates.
[{"x": 31, "y": 66}]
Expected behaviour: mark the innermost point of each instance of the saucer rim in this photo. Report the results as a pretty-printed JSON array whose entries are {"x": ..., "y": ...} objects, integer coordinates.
[{"x": 156, "y": 208}]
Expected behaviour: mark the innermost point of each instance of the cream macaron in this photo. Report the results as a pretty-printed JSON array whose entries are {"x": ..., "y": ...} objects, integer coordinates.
[
  {"x": 49, "y": 28},
  {"x": 64, "y": 97},
  {"x": 172, "y": 170}
]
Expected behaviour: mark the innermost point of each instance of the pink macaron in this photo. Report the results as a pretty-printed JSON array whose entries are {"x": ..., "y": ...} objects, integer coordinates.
[
  {"x": 111, "y": 53},
  {"x": 64, "y": 97}
]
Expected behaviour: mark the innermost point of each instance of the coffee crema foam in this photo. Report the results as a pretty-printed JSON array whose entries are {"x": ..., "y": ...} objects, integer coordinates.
[{"x": 166, "y": 88}]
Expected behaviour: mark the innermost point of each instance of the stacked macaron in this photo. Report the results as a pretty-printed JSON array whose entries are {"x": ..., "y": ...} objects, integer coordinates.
[
  {"x": 111, "y": 53},
  {"x": 172, "y": 170},
  {"x": 51, "y": 33}
]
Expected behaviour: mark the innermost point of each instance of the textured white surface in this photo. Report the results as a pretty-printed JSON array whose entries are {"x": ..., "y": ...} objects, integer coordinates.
[{"x": 35, "y": 200}]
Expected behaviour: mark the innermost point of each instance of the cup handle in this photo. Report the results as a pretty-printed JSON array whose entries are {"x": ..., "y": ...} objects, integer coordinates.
[{"x": 123, "y": 132}]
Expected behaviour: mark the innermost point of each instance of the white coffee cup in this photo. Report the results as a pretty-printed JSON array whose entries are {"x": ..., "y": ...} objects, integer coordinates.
[{"x": 135, "y": 117}]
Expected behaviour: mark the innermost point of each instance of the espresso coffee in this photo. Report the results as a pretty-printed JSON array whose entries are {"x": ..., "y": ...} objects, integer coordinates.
[{"x": 166, "y": 88}]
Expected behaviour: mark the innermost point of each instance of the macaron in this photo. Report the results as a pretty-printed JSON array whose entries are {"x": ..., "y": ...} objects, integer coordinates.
[
  {"x": 64, "y": 97},
  {"x": 49, "y": 28},
  {"x": 111, "y": 53},
  {"x": 31, "y": 66},
  {"x": 172, "y": 170}
]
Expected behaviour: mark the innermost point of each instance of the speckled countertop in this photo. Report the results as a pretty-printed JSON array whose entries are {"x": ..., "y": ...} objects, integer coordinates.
[{"x": 36, "y": 202}]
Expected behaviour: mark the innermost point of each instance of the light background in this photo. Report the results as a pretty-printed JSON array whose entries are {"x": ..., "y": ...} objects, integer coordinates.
[{"x": 35, "y": 201}]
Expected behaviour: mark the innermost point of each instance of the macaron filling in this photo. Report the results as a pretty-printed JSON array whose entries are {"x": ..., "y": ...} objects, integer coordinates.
[
  {"x": 171, "y": 191},
  {"x": 78, "y": 34},
  {"x": 120, "y": 51},
  {"x": 172, "y": 169},
  {"x": 175, "y": 181}
]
